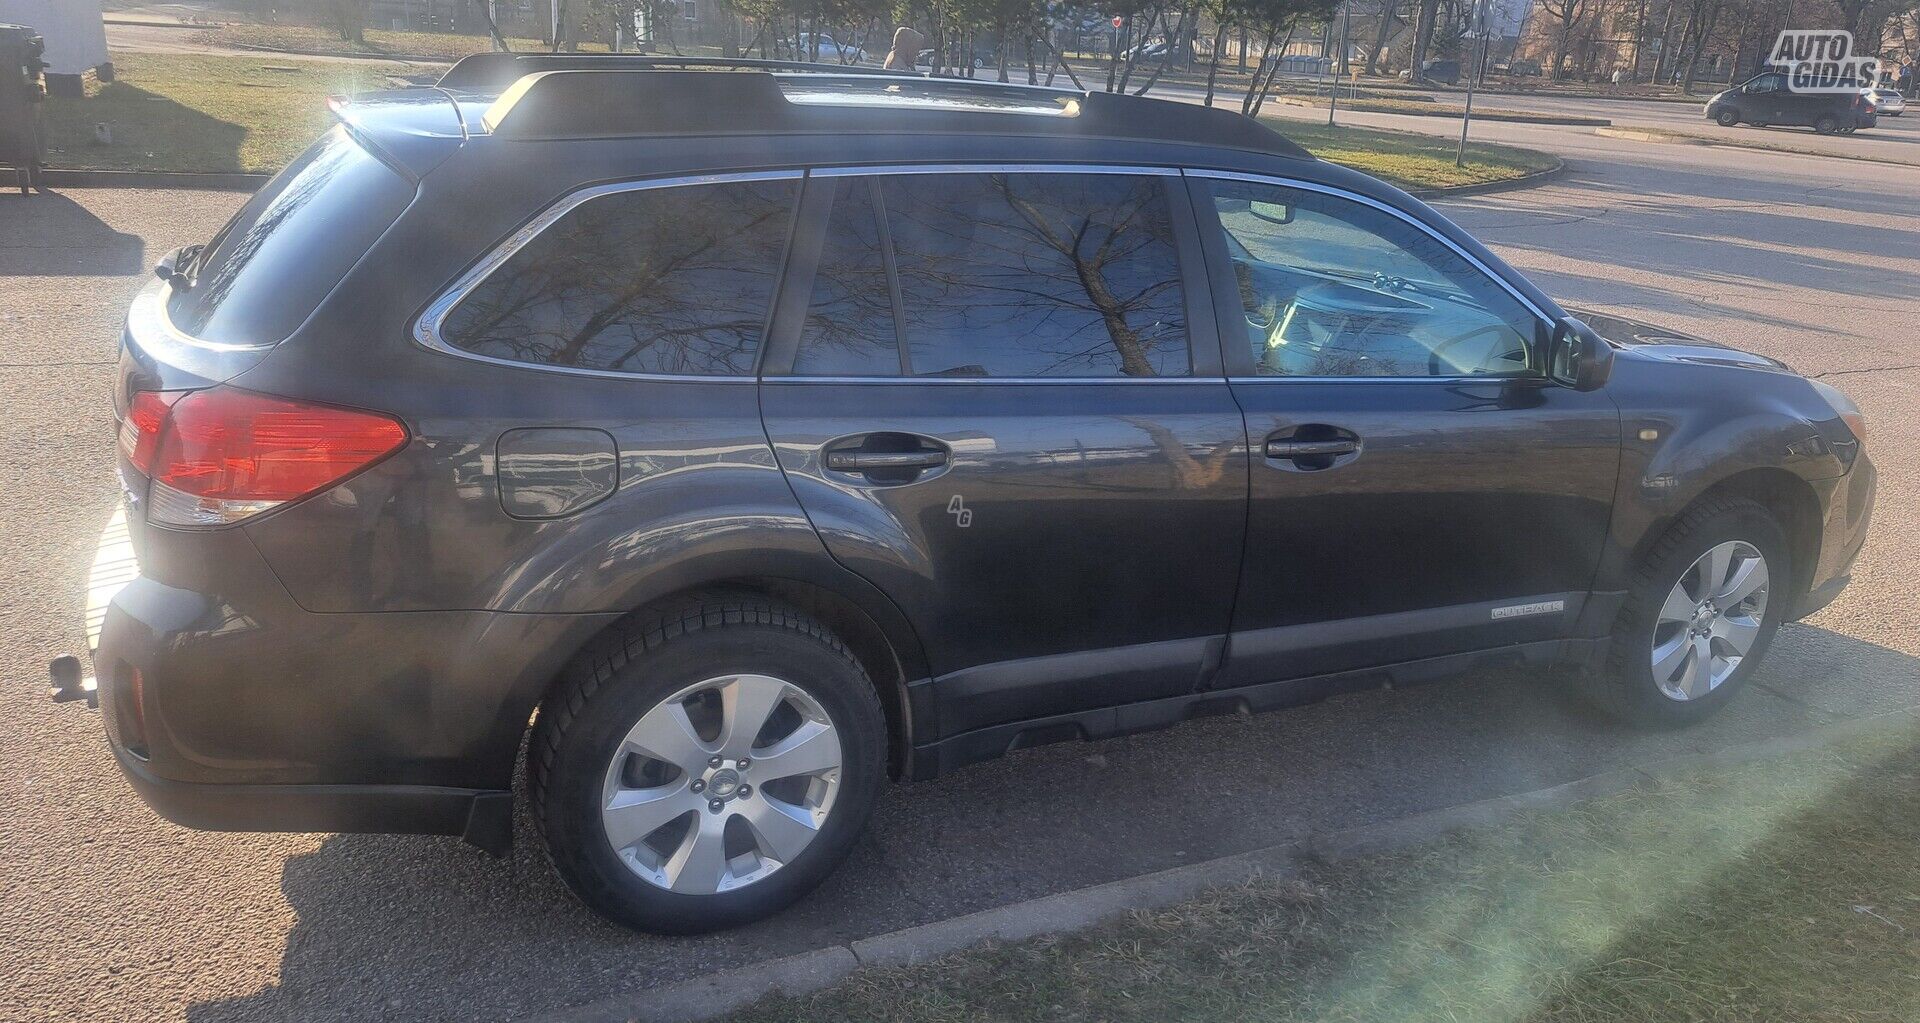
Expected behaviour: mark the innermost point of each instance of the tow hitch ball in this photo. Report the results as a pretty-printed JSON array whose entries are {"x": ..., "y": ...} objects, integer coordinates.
[{"x": 68, "y": 684}]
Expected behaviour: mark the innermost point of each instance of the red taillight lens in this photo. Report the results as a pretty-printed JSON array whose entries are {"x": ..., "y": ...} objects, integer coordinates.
[
  {"x": 225, "y": 454},
  {"x": 140, "y": 431}
]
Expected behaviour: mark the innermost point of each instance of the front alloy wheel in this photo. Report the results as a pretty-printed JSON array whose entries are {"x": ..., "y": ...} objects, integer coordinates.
[
  {"x": 1710, "y": 620},
  {"x": 1702, "y": 607}
]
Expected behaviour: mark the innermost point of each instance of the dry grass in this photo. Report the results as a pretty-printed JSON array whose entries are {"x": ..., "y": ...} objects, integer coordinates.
[
  {"x": 1408, "y": 159},
  {"x": 1782, "y": 891},
  {"x": 180, "y": 112}
]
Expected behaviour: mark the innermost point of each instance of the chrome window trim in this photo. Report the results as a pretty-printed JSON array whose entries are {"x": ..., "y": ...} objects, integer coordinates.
[
  {"x": 995, "y": 168},
  {"x": 426, "y": 330},
  {"x": 1341, "y": 193},
  {"x": 1190, "y": 379},
  {"x": 1487, "y": 379}
]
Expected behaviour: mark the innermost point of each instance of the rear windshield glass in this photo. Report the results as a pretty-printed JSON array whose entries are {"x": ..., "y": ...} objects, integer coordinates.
[{"x": 267, "y": 270}]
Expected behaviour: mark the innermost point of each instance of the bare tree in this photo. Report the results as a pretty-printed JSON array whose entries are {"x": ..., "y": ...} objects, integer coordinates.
[
  {"x": 1566, "y": 14},
  {"x": 349, "y": 19}
]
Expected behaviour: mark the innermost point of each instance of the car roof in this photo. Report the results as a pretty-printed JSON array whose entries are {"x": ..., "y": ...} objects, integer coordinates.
[{"x": 582, "y": 96}]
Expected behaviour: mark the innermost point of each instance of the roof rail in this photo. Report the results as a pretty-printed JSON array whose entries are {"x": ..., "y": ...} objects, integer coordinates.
[
  {"x": 574, "y": 103},
  {"x": 494, "y": 72}
]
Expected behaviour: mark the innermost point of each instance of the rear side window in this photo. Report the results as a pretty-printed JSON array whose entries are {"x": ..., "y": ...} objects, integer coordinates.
[
  {"x": 271, "y": 266},
  {"x": 1001, "y": 275},
  {"x": 673, "y": 279}
]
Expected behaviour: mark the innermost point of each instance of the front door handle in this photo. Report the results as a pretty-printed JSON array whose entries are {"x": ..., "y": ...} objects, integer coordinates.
[
  {"x": 1290, "y": 449},
  {"x": 862, "y": 461}
]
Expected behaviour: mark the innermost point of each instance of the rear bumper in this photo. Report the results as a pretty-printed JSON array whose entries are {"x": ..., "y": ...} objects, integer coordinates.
[
  {"x": 482, "y": 816},
  {"x": 230, "y": 707}
]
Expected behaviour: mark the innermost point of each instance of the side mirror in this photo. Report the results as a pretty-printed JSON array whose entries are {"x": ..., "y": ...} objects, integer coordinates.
[{"x": 1580, "y": 358}]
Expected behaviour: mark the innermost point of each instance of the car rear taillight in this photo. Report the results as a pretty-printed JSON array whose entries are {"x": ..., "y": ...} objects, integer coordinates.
[
  {"x": 140, "y": 431},
  {"x": 221, "y": 455}
]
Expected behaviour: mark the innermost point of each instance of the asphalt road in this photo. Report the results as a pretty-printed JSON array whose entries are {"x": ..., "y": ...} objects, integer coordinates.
[{"x": 109, "y": 913}]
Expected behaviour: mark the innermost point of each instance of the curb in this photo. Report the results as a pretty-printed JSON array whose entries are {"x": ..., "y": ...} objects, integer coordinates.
[
  {"x": 139, "y": 23},
  {"x": 396, "y": 58},
  {"x": 1685, "y": 139},
  {"x": 1650, "y": 136},
  {"x": 704, "y": 998},
  {"x": 1544, "y": 94},
  {"x": 1537, "y": 178},
  {"x": 222, "y": 182},
  {"x": 1505, "y": 116}
]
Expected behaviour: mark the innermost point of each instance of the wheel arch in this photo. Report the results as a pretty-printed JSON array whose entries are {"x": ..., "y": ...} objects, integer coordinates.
[
  {"x": 1787, "y": 497},
  {"x": 879, "y": 637}
]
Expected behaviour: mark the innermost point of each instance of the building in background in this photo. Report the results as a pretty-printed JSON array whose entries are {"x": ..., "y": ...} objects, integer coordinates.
[{"x": 76, "y": 39}]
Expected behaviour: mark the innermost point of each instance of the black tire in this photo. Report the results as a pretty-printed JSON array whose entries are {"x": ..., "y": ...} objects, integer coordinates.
[
  {"x": 1826, "y": 125},
  {"x": 1626, "y": 686},
  {"x": 1726, "y": 118},
  {"x": 636, "y": 667}
]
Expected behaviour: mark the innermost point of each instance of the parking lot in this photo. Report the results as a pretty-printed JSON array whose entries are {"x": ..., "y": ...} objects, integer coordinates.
[{"x": 107, "y": 912}]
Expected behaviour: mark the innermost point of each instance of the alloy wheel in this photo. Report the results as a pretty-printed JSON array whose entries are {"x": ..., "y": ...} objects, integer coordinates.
[
  {"x": 721, "y": 784},
  {"x": 1710, "y": 620}
]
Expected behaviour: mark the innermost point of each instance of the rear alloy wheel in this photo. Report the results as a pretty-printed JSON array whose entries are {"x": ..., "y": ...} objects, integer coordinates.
[
  {"x": 1826, "y": 125},
  {"x": 1726, "y": 118},
  {"x": 1703, "y": 608},
  {"x": 707, "y": 767},
  {"x": 721, "y": 784}
]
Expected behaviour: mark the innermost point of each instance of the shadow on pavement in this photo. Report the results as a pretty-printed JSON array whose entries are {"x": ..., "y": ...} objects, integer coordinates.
[
  {"x": 392, "y": 927},
  {"x": 50, "y": 235}
]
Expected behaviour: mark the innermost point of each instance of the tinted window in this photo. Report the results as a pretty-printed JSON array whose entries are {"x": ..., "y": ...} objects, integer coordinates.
[
  {"x": 654, "y": 280},
  {"x": 850, "y": 327},
  {"x": 270, "y": 267},
  {"x": 1333, "y": 287},
  {"x": 1036, "y": 275}
]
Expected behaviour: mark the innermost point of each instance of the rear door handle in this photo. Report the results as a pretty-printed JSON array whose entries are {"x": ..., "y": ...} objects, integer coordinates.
[
  {"x": 861, "y": 461},
  {"x": 1309, "y": 448}
]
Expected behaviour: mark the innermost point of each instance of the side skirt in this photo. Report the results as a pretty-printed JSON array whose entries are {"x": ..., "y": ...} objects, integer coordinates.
[{"x": 1104, "y": 723}]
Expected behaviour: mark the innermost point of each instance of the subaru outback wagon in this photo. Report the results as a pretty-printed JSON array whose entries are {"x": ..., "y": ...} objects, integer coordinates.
[{"x": 734, "y": 438}]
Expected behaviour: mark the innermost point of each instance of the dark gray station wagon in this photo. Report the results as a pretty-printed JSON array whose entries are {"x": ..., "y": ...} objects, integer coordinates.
[{"x": 759, "y": 434}]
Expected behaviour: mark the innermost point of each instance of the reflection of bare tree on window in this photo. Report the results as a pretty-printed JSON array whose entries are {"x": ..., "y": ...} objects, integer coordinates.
[
  {"x": 670, "y": 280},
  {"x": 1089, "y": 266},
  {"x": 1051, "y": 273}
]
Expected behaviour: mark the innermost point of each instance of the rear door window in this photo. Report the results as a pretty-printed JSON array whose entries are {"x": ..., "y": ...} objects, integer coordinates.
[
  {"x": 290, "y": 245},
  {"x": 662, "y": 279},
  {"x": 1036, "y": 275}
]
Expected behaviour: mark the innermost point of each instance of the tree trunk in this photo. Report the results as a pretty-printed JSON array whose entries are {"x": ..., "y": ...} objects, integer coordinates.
[
  {"x": 1213, "y": 67},
  {"x": 1563, "y": 40},
  {"x": 1423, "y": 37},
  {"x": 1680, "y": 52},
  {"x": 1713, "y": 14},
  {"x": 1381, "y": 33},
  {"x": 1166, "y": 59}
]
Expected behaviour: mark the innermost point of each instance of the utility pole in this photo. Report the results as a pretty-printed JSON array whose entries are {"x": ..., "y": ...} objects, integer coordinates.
[
  {"x": 1333, "y": 91},
  {"x": 1466, "y": 117}
]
